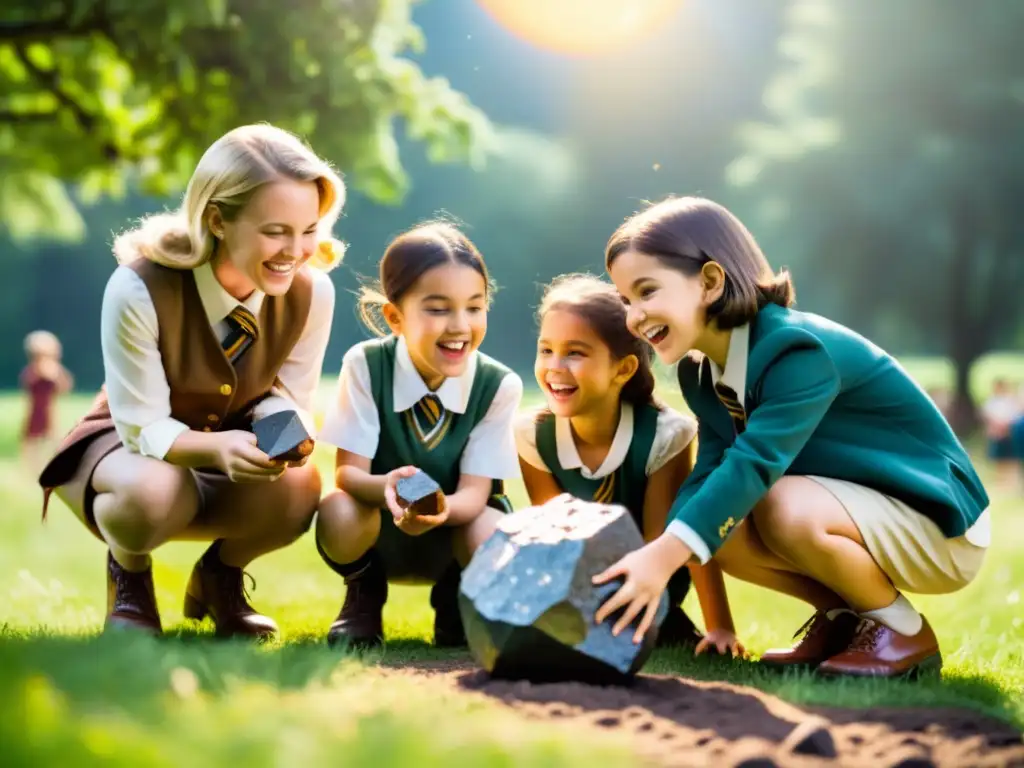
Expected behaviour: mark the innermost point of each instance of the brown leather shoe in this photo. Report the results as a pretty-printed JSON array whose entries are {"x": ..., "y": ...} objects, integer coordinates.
[
  {"x": 878, "y": 651},
  {"x": 131, "y": 601},
  {"x": 820, "y": 638},
  {"x": 216, "y": 590},
  {"x": 360, "y": 623}
]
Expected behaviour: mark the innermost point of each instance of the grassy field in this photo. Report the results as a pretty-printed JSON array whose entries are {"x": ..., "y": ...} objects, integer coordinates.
[{"x": 70, "y": 696}]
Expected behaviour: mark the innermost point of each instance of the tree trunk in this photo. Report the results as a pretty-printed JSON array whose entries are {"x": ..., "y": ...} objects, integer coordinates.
[
  {"x": 966, "y": 338},
  {"x": 963, "y": 413}
]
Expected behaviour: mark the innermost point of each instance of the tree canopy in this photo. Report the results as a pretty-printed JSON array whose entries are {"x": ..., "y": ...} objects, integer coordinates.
[{"x": 97, "y": 95}]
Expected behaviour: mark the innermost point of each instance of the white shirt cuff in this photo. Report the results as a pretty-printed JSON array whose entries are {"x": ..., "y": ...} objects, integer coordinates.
[
  {"x": 156, "y": 439},
  {"x": 491, "y": 448},
  {"x": 980, "y": 534},
  {"x": 689, "y": 537},
  {"x": 502, "y": 467}
]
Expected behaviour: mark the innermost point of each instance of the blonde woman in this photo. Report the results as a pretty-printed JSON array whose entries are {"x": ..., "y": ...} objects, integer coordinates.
[{"x": 218, "y": 313}]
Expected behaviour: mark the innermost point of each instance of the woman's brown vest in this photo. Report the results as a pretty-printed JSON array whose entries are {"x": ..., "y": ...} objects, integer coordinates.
[{"x": 207, "y": 392}]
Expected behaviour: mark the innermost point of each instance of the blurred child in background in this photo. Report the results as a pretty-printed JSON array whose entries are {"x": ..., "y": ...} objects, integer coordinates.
[
  {"x": 999, "y": 413},
  {"x": 43, "y": 379}
]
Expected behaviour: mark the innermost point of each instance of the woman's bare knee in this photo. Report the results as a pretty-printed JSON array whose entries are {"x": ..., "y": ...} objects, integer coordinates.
[
  {"x": 143, "y": 502},
  {"x": 344, "y": 527},
  {"x": 294, "y": 498}
]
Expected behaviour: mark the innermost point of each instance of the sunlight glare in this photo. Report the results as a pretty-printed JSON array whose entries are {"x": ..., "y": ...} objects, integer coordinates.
[{"x": 581, "y": 27}]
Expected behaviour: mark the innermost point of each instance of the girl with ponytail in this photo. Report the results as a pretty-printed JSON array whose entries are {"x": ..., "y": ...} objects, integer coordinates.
[{"x": 602, "y": 436}]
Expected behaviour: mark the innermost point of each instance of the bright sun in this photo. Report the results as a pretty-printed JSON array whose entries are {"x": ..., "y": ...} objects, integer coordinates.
[{"x": 581, "y": 26}]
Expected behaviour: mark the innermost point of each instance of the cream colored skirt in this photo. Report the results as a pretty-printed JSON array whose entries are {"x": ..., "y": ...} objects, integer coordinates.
[{"x": 909, "y": 547}]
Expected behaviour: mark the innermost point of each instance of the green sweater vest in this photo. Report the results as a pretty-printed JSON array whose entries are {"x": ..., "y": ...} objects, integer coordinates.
[
  {"x": 628, "y": 483},
  {"x": 398, "y": 444}
]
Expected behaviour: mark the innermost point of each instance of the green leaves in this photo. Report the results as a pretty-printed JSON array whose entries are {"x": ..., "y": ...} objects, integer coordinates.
[
  {"x": 96, "y": 94},
  {"x": 35, "y": 202}
]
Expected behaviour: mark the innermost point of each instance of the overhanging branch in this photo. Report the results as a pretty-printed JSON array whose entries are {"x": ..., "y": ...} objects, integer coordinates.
[
  {"x": 50, "y": 80},
  {"x": 46, "y": 30},
  {"x": 12, "y": 116}
]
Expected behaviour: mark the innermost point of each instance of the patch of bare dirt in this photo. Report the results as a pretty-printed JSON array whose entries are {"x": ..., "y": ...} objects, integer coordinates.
[{"x": 677, "y": 722}]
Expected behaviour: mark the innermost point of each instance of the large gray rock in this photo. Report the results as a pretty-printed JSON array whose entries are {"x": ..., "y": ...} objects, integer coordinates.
[{"x": 528, "y": 603}]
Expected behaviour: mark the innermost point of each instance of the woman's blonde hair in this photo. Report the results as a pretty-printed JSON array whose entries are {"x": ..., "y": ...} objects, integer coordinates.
[{"x": 227, "y": 176}]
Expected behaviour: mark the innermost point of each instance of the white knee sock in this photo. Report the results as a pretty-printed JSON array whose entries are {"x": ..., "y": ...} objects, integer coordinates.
[{"x": 900, "y": 616}]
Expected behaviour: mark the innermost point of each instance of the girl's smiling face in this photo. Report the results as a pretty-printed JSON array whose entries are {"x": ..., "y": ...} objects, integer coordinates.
[
  {"x": 574, "y": 366},
  {"x": 665, "y": 307},
  {"x": 443, "y": 318}
]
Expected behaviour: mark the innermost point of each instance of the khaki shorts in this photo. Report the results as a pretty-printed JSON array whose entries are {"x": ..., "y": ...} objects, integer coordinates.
[{"x": 909, "y": 547}]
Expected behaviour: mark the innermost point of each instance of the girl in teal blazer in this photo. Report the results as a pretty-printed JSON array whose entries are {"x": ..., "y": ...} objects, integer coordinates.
[{"x": 823, "y": 470}]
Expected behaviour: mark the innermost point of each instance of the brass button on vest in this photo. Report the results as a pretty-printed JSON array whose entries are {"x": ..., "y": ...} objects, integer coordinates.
[
  {"x": 213, "y": 418},
  {"x": 225, "y": 389},
  {"x": 206, "y": 429}
]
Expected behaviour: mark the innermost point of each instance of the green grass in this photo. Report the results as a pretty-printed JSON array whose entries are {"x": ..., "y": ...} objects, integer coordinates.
[{"x": 69, "y": 695}]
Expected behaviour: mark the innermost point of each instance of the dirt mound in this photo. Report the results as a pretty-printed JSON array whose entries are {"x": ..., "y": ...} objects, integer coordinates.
[{"x": 678, "y": 722}]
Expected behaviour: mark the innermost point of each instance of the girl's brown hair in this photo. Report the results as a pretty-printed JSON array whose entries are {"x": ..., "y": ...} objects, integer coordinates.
[
  {"x": 685, "y": 233},
  {"x": 599, "y": 305},
  {"x": 410, "y": 256}
]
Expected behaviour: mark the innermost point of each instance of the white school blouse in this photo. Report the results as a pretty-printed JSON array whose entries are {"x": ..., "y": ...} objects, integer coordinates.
[{"x": 673, "y": 432}]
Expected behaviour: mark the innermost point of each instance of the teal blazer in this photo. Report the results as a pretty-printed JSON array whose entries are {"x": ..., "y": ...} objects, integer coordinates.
[{"x": 821, "y": 400}]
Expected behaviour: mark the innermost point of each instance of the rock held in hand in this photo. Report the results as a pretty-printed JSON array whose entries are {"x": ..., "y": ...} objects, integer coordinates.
[
  {"x": 418, "y": 494},
  {"x": 280, "y": 434},
  {"x": 528, "y": 600}
]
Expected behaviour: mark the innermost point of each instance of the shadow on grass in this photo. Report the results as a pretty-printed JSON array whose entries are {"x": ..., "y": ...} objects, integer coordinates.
[
  {"x": 129, "y": 700},
  {"x": 131, "y": 670},
  {"x": 127, "y": 668}
]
